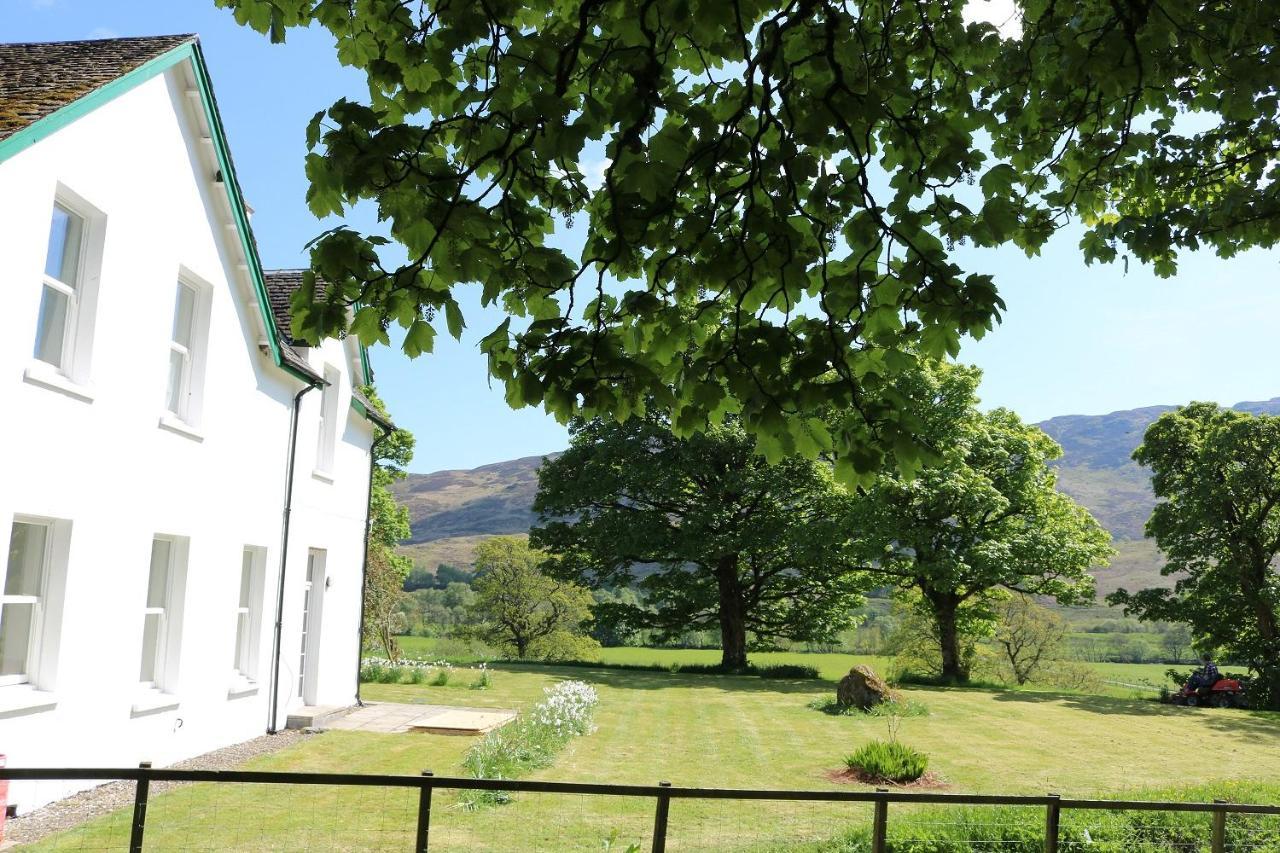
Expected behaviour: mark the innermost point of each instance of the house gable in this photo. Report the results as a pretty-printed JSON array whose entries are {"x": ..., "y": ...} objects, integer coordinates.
[{"x": 45, "y": 87}]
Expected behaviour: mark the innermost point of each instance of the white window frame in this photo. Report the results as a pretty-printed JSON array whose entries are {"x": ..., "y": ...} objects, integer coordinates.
[
  {"x": 327, "y": 434},
  {"x": 313, "y": 589},
  {"x": 247, "y": 639},
  {"x": 78, "y": 324},
  {"x": 42, "y": 645},
  {"x": 191, "y": 393},
  {"x": 169, "y": 632},
  {"x": 35, "y": 602},
  {"x": 67, "y": 356}
]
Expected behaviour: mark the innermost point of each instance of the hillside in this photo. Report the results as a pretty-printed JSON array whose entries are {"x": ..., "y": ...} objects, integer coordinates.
[{"x": 453, "y": 510}]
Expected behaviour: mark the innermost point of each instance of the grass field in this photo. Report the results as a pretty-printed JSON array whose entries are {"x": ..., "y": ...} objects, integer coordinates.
[
  {"x": 830, "y": 666},
  {"x": 708, "y": 731}
]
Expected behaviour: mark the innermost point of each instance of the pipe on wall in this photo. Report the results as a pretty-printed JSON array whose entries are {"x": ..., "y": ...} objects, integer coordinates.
[{"x": 273, "y": 705}]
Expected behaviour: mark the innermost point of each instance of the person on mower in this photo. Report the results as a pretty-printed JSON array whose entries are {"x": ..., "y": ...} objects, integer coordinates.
[{"x": 1206, "y": 676}]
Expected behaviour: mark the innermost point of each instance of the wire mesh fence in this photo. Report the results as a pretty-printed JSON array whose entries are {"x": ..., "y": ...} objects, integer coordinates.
[{"x": 185, "y": 810}]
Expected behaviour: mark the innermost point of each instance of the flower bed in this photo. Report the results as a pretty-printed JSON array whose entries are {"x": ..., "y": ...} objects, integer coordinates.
[{"x": 532, "y": 741}]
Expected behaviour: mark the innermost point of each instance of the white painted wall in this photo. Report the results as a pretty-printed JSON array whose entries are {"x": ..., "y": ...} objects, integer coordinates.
[{"x": 107, "y": 466}]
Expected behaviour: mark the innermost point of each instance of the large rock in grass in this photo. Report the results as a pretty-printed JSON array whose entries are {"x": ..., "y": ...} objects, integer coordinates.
[{"x": 862, "y": 688}]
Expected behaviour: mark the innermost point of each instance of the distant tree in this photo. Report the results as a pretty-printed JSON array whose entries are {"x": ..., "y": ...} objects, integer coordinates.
[
  {"x": 438, "y": 612},
  {"x": 447, "y": 574},
  {"x": 984, "y": 518},
  {"x": 1176, "y": 640},
  {"x": 419, "y": 578},
  {"x": 1218, "y": 472},
  {"x": 388, "y": 526},
  {"x": 1028, "y": 635},
  {"x": 915, "y": 642},
  {"x": 615, "y": 632},
  {"x": 726, "y": 540},
  {"x": 520, "y": 610}
]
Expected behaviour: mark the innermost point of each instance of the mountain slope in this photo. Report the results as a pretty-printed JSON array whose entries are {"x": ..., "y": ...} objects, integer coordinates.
[{"x": 451, "y": 511}]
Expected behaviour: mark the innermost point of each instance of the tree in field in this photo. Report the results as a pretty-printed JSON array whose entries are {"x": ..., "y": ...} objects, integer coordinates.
[
  {"x": 709, "y": 533},
  {"x": 774, "y": 194},
  {"x": 520, "y": 610},
  {"x": 388, "y": 526},
  {"x": 984, "y": 520},
  {"x": 1218, "y": 525},
  {"x": 1176, "y": 640},
  {"x": 1028, "y": 635}
]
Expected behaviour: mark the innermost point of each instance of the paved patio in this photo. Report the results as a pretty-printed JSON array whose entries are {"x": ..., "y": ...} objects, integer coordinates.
[{"x": 393, "y": 718}]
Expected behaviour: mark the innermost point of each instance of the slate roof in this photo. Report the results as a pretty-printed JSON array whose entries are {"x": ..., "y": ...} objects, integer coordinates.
[
  {"x": 281, "y": 285},
  {"x": 39, "y": 78}
]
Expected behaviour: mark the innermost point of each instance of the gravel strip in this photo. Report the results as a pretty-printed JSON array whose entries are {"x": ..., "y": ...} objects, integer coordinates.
[{"x": 85, "y": 806}]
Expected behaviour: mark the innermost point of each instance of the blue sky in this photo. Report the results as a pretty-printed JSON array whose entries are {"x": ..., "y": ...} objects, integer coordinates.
[{"x": 1075, "y": 339}]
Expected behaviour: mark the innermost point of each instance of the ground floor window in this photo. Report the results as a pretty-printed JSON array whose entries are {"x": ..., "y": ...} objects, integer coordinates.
[
  {"x": 249, "y": 613},
  {"x": 24, "y": 594},
  {"x": 161, "y": 616}
]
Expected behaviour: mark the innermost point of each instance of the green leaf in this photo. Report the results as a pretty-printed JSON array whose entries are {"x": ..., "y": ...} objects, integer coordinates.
[
  {"x": 419, "y": 338},
  {"x": 453, "y": 316}
]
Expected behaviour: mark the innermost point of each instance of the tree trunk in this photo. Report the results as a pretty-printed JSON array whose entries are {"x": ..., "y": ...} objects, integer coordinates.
[
  {"x": 1269, "y": 634},
  {"x": 944, "y": 612},
  {"x": 733, "y": 624}
]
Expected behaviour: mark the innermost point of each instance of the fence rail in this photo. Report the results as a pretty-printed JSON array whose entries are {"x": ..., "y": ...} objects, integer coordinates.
[{"x": 662, "y": 794}]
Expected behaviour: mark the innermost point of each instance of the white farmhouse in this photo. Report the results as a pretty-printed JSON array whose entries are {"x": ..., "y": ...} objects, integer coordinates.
[{"x": 183, "y": 486}]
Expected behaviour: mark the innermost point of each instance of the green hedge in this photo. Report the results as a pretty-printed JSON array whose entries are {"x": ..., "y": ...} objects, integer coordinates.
[{"x": 1020, "y": 829}]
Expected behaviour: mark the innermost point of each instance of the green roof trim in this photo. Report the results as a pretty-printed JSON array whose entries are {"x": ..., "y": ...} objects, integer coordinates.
[
  {"x": 187, "y": 52},
  {"x": 238, "y": 210}
]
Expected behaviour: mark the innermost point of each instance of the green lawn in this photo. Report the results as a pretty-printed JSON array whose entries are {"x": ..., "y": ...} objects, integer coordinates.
[
  {"x": 1120, "y": 680},
  {"x": 709, "y": 731}
]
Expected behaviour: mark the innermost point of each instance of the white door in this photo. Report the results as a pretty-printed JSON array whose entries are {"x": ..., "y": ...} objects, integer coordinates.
[{"x": 312, "y": 601}]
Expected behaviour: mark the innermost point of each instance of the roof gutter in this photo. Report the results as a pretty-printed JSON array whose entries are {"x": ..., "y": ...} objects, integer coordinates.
[{"x": 273, "y": 704}]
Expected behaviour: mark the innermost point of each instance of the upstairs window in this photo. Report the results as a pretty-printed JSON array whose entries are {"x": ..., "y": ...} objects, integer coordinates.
[
  {"x": 60, "y": 298},
  {"x": 178, "y": 394},
  {"x": 328, "y": 421}
]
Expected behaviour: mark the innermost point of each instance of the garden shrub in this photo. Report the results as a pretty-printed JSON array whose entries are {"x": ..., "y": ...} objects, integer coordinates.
[
  {"x": 889, "y": 761},
  {"x": 785, "y": 670},
  {"x": 532, "y": 741},
  {"x": 442, "y": 676},
  {"x": 482, "y": 679}
]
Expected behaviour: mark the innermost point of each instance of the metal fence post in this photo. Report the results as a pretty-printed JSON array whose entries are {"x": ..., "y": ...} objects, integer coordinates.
[
  {"x": 660, "y": 820},
  {"x": 1052, "y": 814},
  {"x": 880, "y": 829},
  {"x": 1219, "y": 842},
  {"x": 424, "y": 814},
  {"x": 140, "y": 808}
]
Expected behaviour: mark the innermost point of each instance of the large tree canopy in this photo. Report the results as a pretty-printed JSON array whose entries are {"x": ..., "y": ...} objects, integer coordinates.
[
  {"x": 784, "y": 183},
  {"x": 1219, "y": 529},
  {"x": 709, "y": 533},
  {"x": 982, "y": 521}
]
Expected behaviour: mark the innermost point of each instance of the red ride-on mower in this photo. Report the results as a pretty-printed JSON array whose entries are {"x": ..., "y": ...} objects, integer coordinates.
[{"x": 1223, "y": 693}]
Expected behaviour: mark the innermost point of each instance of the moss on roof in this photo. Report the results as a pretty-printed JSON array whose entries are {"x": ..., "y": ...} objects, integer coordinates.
[{"x": 40, "y": 78}]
